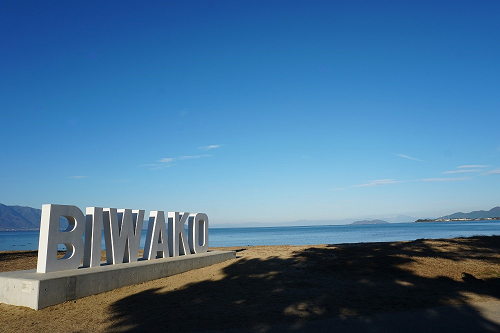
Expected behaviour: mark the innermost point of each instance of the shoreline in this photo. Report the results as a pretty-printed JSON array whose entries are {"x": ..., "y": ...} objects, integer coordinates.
[
  {"x": 308, "y": 235},
  {"x": 282, "y": 285}
]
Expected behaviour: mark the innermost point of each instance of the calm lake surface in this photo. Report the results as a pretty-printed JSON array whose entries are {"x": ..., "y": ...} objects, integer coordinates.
[{"x": 307, "y": 235}]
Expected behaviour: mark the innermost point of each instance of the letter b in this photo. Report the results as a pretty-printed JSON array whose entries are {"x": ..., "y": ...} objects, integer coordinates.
[{"x": 50, "y": 237}]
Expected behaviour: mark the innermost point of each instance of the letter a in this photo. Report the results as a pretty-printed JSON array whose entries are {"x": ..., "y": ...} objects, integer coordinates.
[{"x": 156, "y": 245}]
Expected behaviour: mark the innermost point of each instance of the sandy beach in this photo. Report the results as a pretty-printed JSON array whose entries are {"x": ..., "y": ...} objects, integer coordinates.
[{"x": 285, "y": 287}]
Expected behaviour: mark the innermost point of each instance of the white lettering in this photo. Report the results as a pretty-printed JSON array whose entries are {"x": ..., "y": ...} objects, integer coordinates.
[
  {"x": 51, "y": 237},
  {"x": 156, "y": 245},
  {"x": 177, "y": 233},
  {"x": 122, "y": 234},
  {"x": 93, "y": 231},
  {"x": 198, "y": 233}
]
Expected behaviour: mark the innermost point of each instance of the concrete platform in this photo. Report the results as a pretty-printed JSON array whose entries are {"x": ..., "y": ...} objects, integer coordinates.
[{"x": 39, "y": 290}]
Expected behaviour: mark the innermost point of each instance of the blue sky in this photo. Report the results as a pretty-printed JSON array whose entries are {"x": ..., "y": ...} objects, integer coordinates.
[{"x": 252, "y": 111}]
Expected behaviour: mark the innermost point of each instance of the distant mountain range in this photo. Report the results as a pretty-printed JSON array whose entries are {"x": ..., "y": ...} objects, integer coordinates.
[
  {"x": 478, "y": 214},
  {"x": 27, "y": 218},
  {"x": 19, "y": 218}
]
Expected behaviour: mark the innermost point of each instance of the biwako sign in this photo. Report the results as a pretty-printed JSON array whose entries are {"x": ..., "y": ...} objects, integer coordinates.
[{"x": 81, "y": 273}]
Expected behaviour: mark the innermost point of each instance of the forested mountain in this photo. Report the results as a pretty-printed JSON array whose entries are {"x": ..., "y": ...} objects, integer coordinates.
[
  {"x": 478, "y": 214},
  {"x": 19, "y": 218}
]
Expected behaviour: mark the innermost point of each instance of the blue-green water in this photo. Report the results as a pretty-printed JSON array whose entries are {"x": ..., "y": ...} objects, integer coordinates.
[{"x": 307, "y": 235}]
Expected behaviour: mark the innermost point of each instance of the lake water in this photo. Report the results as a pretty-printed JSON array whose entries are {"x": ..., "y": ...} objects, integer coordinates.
[{"x": 307, "y": 235}]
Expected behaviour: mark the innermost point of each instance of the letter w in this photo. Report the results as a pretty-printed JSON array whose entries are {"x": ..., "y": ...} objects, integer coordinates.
[{"x": 122, "y": 234}]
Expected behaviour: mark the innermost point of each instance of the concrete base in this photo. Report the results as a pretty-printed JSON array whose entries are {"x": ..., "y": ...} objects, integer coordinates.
[{"x": 39, "y": 290}]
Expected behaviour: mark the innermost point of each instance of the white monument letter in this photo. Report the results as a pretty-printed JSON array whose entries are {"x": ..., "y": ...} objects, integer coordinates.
[
  {"x": 50, "y": 237},
  {"x": 198, "y": 233},
  {"x": 177, "y": 239},
  {"x": 122, "y": 234},
  {"x": 156, "y": 245},
  {"x": 93, "y": 230}
]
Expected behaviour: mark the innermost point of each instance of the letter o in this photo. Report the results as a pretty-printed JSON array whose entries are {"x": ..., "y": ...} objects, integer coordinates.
[{"x": 198, "y": 233}]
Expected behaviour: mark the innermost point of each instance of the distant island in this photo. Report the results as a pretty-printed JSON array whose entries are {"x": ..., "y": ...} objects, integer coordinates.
[{"x": 369, "y": 222}]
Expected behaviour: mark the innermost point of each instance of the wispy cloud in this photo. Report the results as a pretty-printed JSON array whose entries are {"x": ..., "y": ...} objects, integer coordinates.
[
  {"x": 472, "y": 166},
  {"x": 394, "y": 181},
  {"x": 492, "y": 172},
  {"x": 473, "y": 169},
  {"x": 155, "y": 166},
  {"x": 445, "y": 179},
  {"x": 170, "y": 160},
  {"x": 461, "y": 171},
  {"x": 379, "y": 182},
  {"x": 210, "y": 147},
  {"x": 408, "y": 157},
  {"x": 149, "y": 164},
  {"x": 78, "y": 177},
  {"x": 191, "y": 157},
  {"x": 167, "y": 162}
]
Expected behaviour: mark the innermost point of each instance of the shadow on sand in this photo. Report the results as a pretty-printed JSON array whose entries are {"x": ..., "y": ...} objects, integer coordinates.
[{"x": 318, "y": 284}]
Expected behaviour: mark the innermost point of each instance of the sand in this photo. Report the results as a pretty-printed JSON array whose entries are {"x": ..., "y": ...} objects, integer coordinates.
[{"x": 281, "y": 286}]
